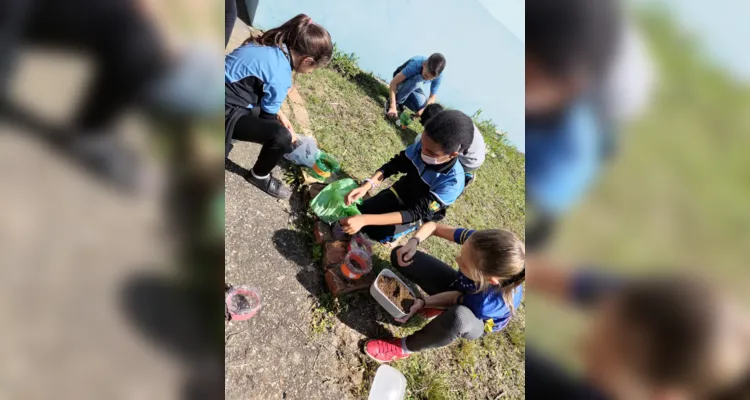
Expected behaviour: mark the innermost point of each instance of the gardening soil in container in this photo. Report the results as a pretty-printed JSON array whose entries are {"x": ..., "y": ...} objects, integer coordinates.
[{"x": 396, "y": 292}]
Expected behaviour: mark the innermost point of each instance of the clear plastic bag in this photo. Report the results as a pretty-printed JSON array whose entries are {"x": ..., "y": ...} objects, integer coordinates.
[{"x": 305, "y": 153}]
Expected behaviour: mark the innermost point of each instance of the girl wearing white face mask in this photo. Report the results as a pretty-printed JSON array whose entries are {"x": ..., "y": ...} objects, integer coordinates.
[{"x": 432, "y": 182}]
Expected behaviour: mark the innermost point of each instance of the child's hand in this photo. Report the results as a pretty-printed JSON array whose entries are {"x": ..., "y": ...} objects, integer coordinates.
[
  {"x": 352, "y": 225},
  {"x": 405, "y": 254},
  {"x": 286, "y": 123},
  {"x": 356, "y": 194},
  {"x": 392, "y": 112},
  {"x": 418, "y": 305}
]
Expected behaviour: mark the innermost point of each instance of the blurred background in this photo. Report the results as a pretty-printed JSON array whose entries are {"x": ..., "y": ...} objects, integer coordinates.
[
  {"x": 674, "y": 197},
  {"x": 111, "y": 199}
]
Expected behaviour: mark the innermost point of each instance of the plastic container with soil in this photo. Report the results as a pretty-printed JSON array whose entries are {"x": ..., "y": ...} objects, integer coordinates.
[
  {"x": 392, "y": 294},
  {"x": 359, "y": 241},
  {"x": 324, "y": 166},
  {"x": 356, "y": 263},
  {"x": 243, "y": 303}
]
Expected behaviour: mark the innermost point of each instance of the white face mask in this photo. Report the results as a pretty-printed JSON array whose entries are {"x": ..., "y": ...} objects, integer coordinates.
[{"x": 430, "y": 160}]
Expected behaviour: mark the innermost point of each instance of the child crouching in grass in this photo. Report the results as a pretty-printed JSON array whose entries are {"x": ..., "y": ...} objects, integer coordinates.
[
  {"x": 478, "y": 299},
  {"x": 433, "y": 181}
]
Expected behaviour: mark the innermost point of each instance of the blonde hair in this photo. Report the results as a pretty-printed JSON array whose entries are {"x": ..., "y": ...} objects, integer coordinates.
[{"x": 499, "y": 253}]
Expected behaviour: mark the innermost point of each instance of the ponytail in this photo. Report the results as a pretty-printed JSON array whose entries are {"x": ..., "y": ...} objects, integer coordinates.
[
  {"x": 301, "y": 35},
  {"x": 501, "y": 254}
]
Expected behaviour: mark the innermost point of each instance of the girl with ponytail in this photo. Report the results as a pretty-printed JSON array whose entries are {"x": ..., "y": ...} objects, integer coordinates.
[
  {"x": 478, "y": 299},
  {"x": 257, "y": 78}
]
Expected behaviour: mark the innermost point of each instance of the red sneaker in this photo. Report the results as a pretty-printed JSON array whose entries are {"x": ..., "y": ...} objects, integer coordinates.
[
  {"x": 429, "y": 313},
  {"x": 384, "y": 351}
]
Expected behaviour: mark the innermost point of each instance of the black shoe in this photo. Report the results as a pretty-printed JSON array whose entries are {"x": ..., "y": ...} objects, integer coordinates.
[{"x": 270, "y": 185}]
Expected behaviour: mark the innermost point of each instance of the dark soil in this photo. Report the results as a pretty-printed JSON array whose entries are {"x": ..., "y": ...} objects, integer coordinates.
[
  {"x": 242, "y": 304},
  {"x": 396, "y": 292}
]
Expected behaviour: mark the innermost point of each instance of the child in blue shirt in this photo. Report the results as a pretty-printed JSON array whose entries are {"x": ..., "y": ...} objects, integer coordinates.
[
  {"x": 479, "y": 298},
  {"x": 569, "y": 45},
  {"x": 405, "y": 88},
  {"x": 258, "y": 76}
]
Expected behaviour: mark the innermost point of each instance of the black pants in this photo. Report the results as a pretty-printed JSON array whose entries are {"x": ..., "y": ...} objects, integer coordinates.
[
  {"x": 383, "y": 203},
  {"x": 275, "y": 138},
  {"x": 125, "y": 47},
  {"x": 230, "y": 16},
  {"x": 545, "y": 379},
  {"x": 435, "y": 276}
]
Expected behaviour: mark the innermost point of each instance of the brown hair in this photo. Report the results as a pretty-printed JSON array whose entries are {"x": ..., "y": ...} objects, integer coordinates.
[
  {"x": 301, "y": 35},
  {"x": 678, "y": 322},
  {"x": 499, "y": 253}
]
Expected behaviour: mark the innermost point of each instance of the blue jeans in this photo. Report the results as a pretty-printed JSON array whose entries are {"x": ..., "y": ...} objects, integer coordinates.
[{"x": 410, "y": 94}]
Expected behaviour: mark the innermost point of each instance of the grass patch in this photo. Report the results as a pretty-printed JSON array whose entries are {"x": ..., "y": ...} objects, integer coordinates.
[
  {"x": 324, "y": 313},
  {"x": 345, "y": 106}
]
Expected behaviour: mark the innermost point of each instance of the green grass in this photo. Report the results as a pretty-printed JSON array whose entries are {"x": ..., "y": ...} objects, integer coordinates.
[
  {"x": 345, "y": 106},
  {"x": 676, "y": 196}
]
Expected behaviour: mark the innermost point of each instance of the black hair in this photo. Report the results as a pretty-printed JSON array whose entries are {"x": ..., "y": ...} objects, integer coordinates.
[
  {"x": 429, "y": 112},
  {"x": 452, "y": 130},
  {"x": 436, "y": 64},
  {"x": 566, "y": 34}
]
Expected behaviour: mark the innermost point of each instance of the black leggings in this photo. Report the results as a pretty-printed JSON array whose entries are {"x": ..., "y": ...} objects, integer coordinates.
[
  {"x": 126, "y": 49},
  {"x": 435, "y": 276},
  {"x": 230, "y": 16},
  {"x": 275, "y": 138},
  {"x": 383, "y": 203}
]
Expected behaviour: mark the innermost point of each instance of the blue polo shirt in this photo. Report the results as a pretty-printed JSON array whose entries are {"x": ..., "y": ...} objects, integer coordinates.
[
  {"x": 487, "y": 304},
  {"x": 563, "y": 160},
  {"x": 413, "y": 68},
  {"x": 257, "y": 76}
]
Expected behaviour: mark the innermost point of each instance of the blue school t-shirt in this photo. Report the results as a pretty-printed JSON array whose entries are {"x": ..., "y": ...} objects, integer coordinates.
[
  {"x": 487, "y": 304},
  {"x": 563, "y": 160},
  {"x": 251, "y": 65},
  {"x": 413, "y": 68}
]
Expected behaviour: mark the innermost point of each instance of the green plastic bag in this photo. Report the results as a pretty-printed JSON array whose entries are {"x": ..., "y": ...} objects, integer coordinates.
[{"x": 329, "y": 204}]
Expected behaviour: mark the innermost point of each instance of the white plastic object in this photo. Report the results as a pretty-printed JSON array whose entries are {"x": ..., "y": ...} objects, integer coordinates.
[
  {"x": 389, "y": 384},
  {"x": 381, "y": 298}
]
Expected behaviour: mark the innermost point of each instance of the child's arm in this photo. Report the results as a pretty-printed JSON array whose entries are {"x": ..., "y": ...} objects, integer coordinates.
[
  {"x": 567, "y": 284},
  {"x": 361, "y": 191},
  {"x": 400, "y": 77},
  {"x": 354, "y": 224},
  {"x": 399, "y": 163},
  {"x": 442, "y": 300}
]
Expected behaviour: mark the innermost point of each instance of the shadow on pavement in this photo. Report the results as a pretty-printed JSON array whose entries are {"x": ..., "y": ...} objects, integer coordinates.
[{"x": 165, "y": 313}]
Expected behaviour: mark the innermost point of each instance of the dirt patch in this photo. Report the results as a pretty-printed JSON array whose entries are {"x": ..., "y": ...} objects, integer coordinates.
[{"x": 396, "y": 292}]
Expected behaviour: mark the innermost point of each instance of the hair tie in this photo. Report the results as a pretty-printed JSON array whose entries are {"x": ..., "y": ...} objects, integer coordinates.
[{"x": 308, "y": 21}]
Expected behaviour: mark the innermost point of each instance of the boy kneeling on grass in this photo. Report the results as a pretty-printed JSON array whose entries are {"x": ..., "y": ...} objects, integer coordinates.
[
  {"x": 478, "y": 299},
  {"x": 434, "y": 179}
]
